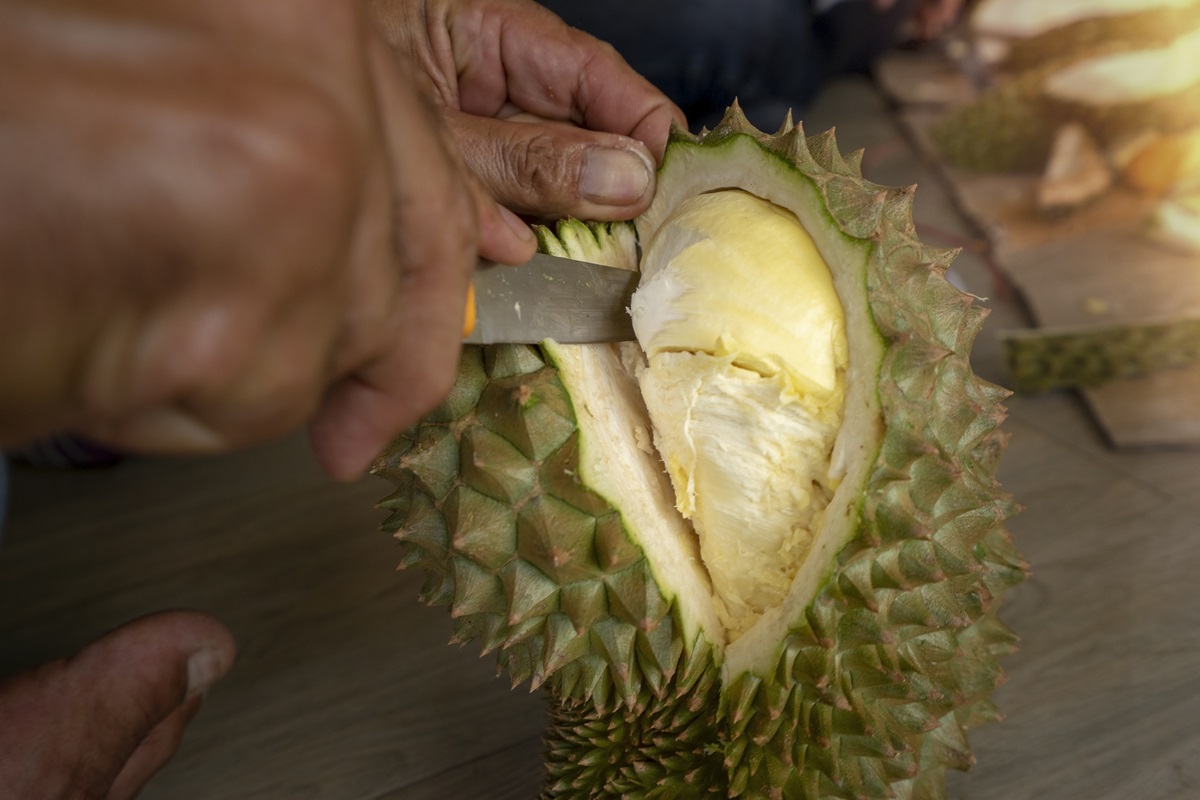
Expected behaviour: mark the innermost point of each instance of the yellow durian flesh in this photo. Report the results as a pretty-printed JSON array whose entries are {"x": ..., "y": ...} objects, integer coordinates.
[
  {"x": 1164, "y": 163},
  {"x": 1130, "y": 77},
  {"x": 746, "y": 353}
]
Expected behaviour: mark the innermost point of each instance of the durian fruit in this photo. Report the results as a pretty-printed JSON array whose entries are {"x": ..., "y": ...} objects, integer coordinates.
[
  {"x": 1027, "y": 19},
  {"x": 1030, "y": 33},
  {"x": 759, "y": 552},
  {"x": 1007, "y": 129},
  {"x": 1121, "y": 69},
  {"x": 1119, "y": 93}
]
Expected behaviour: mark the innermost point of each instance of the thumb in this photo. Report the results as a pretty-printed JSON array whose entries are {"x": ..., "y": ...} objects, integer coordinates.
[
  {"x": 554, "y": 169},
  {"x": 102, "y": 723}
]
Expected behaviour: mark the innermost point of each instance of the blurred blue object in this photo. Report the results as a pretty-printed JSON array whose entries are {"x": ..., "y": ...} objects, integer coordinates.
[
  {"x": 57, "y": 452},
  {"x": 3, "y": 493},
  {"x": 65, "y": 451},
  {"x": 771, "y": 55}
]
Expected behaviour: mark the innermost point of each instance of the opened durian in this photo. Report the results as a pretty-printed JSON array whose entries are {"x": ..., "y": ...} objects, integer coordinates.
[
  {"x": 1122, "y": 68},
  {"x": 757, "y": 553}
]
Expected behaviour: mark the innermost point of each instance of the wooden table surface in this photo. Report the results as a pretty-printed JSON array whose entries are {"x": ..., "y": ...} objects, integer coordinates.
[{"x": 346, "y": 690}]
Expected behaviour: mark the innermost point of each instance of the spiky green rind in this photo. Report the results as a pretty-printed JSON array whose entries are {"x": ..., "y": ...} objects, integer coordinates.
[
  {"x": 897, "y": 654},
  {"x": 666, "y": 746},
  {"x": 870, "y": 689},
  {"x": 1064, "y": 358},
  {"x": 532, "y": 563},
  {"x": 1008, "y": 128}
]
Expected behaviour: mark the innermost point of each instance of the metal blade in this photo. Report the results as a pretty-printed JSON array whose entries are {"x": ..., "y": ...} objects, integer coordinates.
[{"x": 572, "y": 302}]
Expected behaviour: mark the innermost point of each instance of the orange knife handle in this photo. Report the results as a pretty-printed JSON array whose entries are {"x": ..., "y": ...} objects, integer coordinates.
[{"x": 469, "y": 316}]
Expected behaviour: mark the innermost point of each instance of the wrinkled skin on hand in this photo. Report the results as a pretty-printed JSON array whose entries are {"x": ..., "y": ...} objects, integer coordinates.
[
  {"x": 552, "y": 121},
  {"x": 224, "y": 219},
  {"x": 932, "y": 17},
  {"x": 101, "y": 723}
]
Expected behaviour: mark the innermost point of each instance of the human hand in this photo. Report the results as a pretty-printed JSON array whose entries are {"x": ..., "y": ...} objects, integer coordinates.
[
  {"x": 223, "y": 219},
  {"x": 102, "y": 723},
  {"x": 552, "y": 121},
  {"x": 932, "y": 17}
]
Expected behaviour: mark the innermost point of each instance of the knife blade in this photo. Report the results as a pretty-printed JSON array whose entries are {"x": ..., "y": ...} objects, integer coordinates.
[{"x": 547, "y": 297}]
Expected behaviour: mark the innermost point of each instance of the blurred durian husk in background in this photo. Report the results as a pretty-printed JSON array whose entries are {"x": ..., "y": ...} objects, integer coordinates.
[
  {"x": 1121, "y": 77},
  {"x": 1097, "y": 102}
]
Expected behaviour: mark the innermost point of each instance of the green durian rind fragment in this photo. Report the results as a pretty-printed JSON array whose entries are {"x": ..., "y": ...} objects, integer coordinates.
[
  {"x": 1070, "y": 358},
  {"x": 863, "y": 683}
]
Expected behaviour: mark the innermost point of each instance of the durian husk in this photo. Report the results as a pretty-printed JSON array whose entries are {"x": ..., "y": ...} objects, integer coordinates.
[
  {"x": 1011, "y": 126},
  {"x": 1076, "y": 172},
  {"x": 882, "y": 657},
  {"x": 1151, "y": 27},
  {"x": 1091, "y": 356},
  {"x": 1028, "y": 19}
]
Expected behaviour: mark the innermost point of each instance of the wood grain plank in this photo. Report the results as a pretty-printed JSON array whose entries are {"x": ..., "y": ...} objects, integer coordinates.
[{"x": 344, "y": 684}]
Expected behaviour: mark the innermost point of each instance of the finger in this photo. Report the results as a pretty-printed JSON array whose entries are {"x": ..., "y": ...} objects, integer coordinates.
[
  {"x": 503, "y": 236},
  {"x": 936, "y": 16},
  {"x": 947, "y": 15},
  {"x": 347, "y": 434},
  {"x": 550, "y": 169},
  {"x": 521, "y": 53},
  {"x": 159, "y": 746},
  {"x": 406, "y": 365},
  {"x": 70, "y": 727}
]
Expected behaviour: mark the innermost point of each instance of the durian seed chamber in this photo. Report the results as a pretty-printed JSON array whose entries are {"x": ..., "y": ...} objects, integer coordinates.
[{"x": 744, "y": 380}]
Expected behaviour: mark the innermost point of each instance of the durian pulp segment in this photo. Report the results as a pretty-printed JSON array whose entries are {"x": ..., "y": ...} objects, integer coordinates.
[
  {"x": 1176, "y": 222},
  {"x": 1025, "y": 18},
  {"x": 1130, "y": 77},
  {"x": 1165, "y": 163},
  {"x": 746, "y": 353}
]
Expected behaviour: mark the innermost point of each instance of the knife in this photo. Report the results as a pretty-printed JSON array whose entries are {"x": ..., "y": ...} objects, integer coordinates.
[{"x": 547, "y": 297}]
